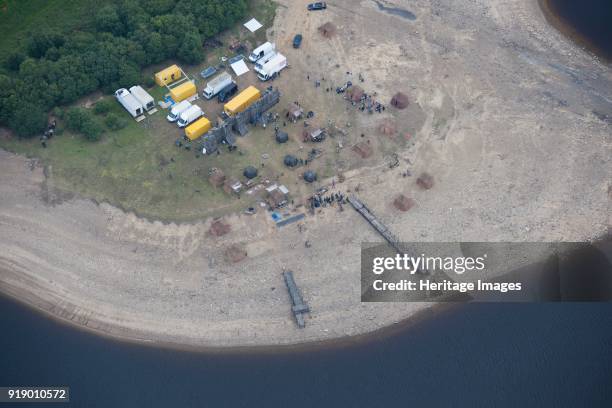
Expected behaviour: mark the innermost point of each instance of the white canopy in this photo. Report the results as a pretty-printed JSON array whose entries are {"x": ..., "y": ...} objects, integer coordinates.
[
  {"x": 253, "y": 25},
  {"x": 240, "y": 67}
]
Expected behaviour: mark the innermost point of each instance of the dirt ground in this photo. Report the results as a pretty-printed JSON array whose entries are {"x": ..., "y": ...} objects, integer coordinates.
[{"x": 507, "y": 116}]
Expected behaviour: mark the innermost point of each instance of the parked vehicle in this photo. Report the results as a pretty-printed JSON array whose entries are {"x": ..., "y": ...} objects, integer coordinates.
[
  {"x": 297, "y": 41},
  {"x": 319, "y": 5},
  {"x": 272, "y": 68},
  {"x": 242, "y": 101},
  {"x": 129, "y": 102},
  {"x": 217, "y": 84},
  {"x": 177, "y": 109},
  {"x": 183, "y": 91},
  {"x": 190, "y": 115},
  {"x": 197, "y": 128},
  {"x": 262, "y": 51},
  {"x": 208, "y": 72},
  {"x": 143, "y": 97},
  {"x": 227, "y": 92}
]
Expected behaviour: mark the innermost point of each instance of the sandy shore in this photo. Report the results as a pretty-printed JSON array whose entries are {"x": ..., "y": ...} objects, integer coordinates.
[{"x": 512, "y": 131}]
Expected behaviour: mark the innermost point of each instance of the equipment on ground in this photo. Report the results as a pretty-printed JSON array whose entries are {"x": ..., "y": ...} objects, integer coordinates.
[
  {"x": 197, "y": 128},
  {"x": 183, "y": 91},
  {"x": 242, "y": 101},
  {"x": 168, "y": 75}
]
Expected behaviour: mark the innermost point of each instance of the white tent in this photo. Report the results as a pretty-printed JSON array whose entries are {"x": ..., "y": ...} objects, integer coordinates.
[
  {"x": 253, "y": 25},
  {"x": 240, "y": 67}
]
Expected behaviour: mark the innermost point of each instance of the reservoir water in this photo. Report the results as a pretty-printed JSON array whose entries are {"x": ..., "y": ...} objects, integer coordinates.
[
  {"x": 502, "y": 355},
  {"x": 588, "y": 21}
]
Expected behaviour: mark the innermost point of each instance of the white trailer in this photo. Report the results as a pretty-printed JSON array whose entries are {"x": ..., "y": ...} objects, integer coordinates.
[
  {"x": 177, "y": 109},
  {"x": 262, "y": 51},
  {"x": 190, "y": 115},
  {"x": 271, "y": 68},
  {"x": 143, "y": 97},
  {"x": 215, "y": 86},
  {"x": 129, "y": 102}
]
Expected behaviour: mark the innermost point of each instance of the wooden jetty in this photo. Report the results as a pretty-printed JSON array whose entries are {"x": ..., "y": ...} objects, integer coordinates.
[
  {"x": 299, "y": 307},
  {"x": 378, "y": 226}
]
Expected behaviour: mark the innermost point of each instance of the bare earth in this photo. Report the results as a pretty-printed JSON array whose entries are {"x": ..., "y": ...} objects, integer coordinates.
[{"x": 506, "y": 114}]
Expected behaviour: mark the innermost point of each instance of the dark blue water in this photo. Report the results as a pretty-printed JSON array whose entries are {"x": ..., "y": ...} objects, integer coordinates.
[
  {"x": 591, "y": 19},
  {"x": 488, "y": 355}
]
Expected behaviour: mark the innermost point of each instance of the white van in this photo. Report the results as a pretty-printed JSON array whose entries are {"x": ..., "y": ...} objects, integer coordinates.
[
  {"x": 143, "y": 97},
  {"x": 262, "y": 51},
  {"x": 177, "y": 109},
  {"x": 129, "y": 102},
  {"x": 190, "y": 115}
]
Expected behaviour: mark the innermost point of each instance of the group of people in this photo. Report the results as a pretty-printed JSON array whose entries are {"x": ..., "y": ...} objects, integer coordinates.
[
  {"x": 48, "y": 133},
  {"x": 318, "y": 200}
]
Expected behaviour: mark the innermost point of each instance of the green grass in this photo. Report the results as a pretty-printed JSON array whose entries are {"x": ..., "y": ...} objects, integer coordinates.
[{"x": 19, "y": 17}]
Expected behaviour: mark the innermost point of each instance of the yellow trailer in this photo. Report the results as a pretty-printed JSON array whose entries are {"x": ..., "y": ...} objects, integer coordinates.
[
  {"x": 197, "y": 128},
  {"x": 183, "y": 91},
  {"x": 168, "y": 75},
  {"x": 242, "y": 101}
]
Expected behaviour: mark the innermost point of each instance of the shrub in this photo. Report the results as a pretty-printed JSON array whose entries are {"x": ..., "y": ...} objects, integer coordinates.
[
  {"x": 82, "y": 121},
  {"x": 148, "y": 81},
  {"x": 29, "y": 120},
  {"x": 58, "y": 112},
  {"x": 114, "y": 122},
  {"x": 102, "y": 107}
]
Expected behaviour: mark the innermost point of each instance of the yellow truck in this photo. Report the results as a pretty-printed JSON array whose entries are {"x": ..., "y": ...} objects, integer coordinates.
[
  {"x": 197, "y": 128},
  {"x": 168, "y": 75},
  {"x": 183, "y": 91},
  {"x": 242, "y": 101}
]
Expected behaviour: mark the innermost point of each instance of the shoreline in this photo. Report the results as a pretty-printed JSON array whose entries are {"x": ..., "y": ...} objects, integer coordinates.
[
  {"x": 363, "y": 339},
  {"x": 571, "y": 33}
]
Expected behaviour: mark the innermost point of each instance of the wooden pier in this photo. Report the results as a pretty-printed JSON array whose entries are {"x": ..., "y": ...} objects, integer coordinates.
[
  {"x": 299, "y": 307},
  {"x": 378, "y": 226}
]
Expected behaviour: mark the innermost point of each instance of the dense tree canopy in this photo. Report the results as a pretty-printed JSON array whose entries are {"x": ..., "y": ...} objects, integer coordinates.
[{"x": 57, "y": 68}]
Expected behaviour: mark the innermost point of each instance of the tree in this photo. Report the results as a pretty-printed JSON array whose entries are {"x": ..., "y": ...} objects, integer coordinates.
[
  {"x": 40, "y": 41},
  {"x": 114, "y": 122},
  {"x": 82, "y": 121},
  {"x": 191, "y": 50},
  {"x": 14, "y": 60},
  {"x": 28, "y": 120},
  {"x": 107, "y": 19}
]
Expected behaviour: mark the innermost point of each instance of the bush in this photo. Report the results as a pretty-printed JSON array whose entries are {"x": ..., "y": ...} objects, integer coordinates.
[
  {"x": 82, "y": 121},
  {"x": 58, "y": 112},
  {"x": 102, "y": 107},
  {"x": 92, "y": 130},
  {"x": 148, "y": 81},
  {"x": 29, "y": 120},
  {"x": 114, "y": 122}
]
